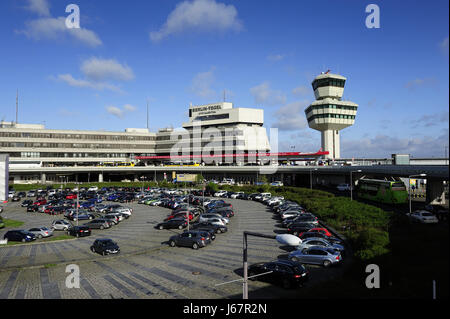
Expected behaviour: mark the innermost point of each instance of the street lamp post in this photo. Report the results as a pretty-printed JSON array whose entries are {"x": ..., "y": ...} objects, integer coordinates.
[
  {"x": 409, "y": 187},
  {"x": 351, "y": 183},
  {"x": 310, "y": 177},
  {"x": 286, "y": 239}
]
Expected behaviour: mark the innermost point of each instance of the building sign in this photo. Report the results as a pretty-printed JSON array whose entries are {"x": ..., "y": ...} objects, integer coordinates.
[
  {"x": 207, "y": 109},
  {"x": 186, "y": 178}
]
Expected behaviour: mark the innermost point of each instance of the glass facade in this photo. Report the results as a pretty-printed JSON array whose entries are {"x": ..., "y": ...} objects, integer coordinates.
[
  {"x": 331, "y": 106},
  {"x": 328, "y": 82}
]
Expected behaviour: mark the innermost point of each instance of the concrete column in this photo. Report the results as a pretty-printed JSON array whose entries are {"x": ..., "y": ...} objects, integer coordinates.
[
  {"x": 435, "y": 192},
  {"x": 100, "y": 177},
  {"x": 43, "y": 178},
  {"x": 330, "y": 143}
]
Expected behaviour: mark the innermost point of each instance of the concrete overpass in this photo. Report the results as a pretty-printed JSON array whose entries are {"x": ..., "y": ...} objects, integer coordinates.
[{"x": 436, "y": 175}]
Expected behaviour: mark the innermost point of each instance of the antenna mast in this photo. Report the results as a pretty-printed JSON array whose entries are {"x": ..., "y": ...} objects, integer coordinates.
[
  {"x": 147, "y": 114},
  {"x": 17, "y": 106}
]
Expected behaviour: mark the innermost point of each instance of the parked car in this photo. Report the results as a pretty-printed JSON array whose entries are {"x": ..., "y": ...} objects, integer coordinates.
[
  {"x": 332, "y": 239},
  {"x": 26, "y": 203},
  {"x": 19, "y": 235},
  {"x": 61, "y": 225},
  {"x": 79, "y": 231},
  {"x": 299, "y": 228},
  {"x": 81, "y": 216},
  {"x": 179, "y": 223},
  {"x": 218, "y": 229},
  {"x": 317, "y": 255},
  {"x": 98, "y": 224},
  {"x": 193, "y": 238},
  {"x": 41, "y": 232},
  {"x": 112, "y": 218},
  {"x": 321, "y": 231},
  {"x": 423, "y": 216},
  {"x": 105, "y": 246},
  {"x": 32, "y": 208},
  {"x": 287, "y": 273},
  {"x": 209, "y": 217},
  {"x": 315, "y": 241}
]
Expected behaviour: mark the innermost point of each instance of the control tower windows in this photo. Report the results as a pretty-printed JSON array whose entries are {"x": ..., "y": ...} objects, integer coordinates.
[{"x": 328, "y": 82}]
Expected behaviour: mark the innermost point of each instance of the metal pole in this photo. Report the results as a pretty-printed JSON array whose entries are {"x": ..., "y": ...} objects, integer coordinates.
[
  {"x": 310, "y": 179},
  {"x": 351, "y": 191},
  {"x": 434, "y": 289},
  {"x": 409, "y": 193},
  {"x": 245, "y": 283},
  {"x": 78, "y": 192}
]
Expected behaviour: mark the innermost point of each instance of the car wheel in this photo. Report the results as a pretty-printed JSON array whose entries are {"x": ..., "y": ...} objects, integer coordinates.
[
  {"x": 172, "y": 243},
  {"x": 104, "y": 253},
  {"x": 194, "y": 246},
  {"x": 161, "y": 227},
  {"x": 78, "y": 235},
  {"x": 101, "y": 227},
  {"x": 93, "y": 249},
  {"x": 219, "y": 231},
  {"x": 326, "y": 263},
  {"x": 23, "y": 240},
  {"x": 40, "y": 236},
  {"x": 180, "y": 227}
]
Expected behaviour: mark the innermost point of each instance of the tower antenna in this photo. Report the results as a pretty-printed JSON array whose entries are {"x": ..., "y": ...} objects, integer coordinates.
[
  {"x": 147, "y": 114},
  {"x": 17, "y": 106}
]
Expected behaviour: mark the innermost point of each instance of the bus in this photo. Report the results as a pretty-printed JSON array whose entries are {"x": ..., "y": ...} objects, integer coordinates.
[
  {"x": 388, "y": 192},
  {"x": 187, "y": 164},
  {"x": 117, "y": 164}
]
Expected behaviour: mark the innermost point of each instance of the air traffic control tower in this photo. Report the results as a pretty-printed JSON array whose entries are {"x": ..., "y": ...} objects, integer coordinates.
[{"x": 329, "y": 114}]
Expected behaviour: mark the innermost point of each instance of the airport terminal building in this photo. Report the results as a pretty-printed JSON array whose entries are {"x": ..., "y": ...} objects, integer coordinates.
[{"x": 211, "y": 129}]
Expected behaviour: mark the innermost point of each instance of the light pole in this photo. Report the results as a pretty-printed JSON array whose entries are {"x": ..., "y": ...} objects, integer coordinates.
[
  {"x": 310, "y": 177},
  {"x": 409, "y": 187},
  {"x": 286, "y": 239},
  {"x": 351, "y": 183}
]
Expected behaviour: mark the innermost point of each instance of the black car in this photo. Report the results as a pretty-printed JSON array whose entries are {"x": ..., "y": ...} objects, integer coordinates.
[
  {"x": 179, "y": 223},
  {"x": 16, "y": 198},
  {"x": 210, "y": 232},
  {"x": 19, "y": 235},
  {"x": 332, "y": 239},
  {"x": 217, "y": 228},
  {"x": 79, "y": 231},
  {"x": 105, "y": 246},
  {"x": 26, "y": 203},
  {"x": 193, "y": 238},
  {"x": 242, "y": 196},
  {"x": 297, "y": 228},
  {"x": 32, "y": 208},
  {"x": 285, "y": 272}
]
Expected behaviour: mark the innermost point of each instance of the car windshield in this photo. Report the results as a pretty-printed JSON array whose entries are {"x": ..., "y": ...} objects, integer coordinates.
[{"x": 427, "y": 214}]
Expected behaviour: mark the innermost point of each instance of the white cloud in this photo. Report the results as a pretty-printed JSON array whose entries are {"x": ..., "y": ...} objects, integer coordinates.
[
  {"x": 444, "y": 46},
  {"x": 275, "y": 57},
  {"x": 114, "y": 110},
  {"x": 97, "y": 69},
  {"x": 120, "y": 113},
  {"x": 264, "y": 95},
  {"x": 201, "y": 84},
  {"x": 382, "y": 146},
  {"x": 40, "y": 7},
  {"x": 198, "y": 15},
  {"x": 55, "y": 28},
  {"x": 301, "y": 90},
  {"x": 420, "y": 82},
  {"x": 291, "y": 117},
  {"x": 100, "y": 86},
  {"x": 429, "y": 120},
  {"x": 129, "y": 108}
]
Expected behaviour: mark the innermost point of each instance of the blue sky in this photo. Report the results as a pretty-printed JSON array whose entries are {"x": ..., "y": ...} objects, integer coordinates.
[{"x": 262, "y": 53}]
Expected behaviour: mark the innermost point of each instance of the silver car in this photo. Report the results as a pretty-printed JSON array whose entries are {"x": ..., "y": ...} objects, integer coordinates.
[
  {"x": 208, "y": 217},
  {"x": 61, "y": 225},
  {"x": 98, "y": 223},
  {"x": 316, "y": 255},
  {"x": 41, "y": 232},
  {"x": 317, "y": 241}
]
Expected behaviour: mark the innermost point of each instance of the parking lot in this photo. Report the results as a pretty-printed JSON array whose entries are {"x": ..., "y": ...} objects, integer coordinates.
[{"x": 147, "y": 266}]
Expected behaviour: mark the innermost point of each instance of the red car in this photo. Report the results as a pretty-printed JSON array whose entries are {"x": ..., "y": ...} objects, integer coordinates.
[
  {"x": 40, "y": 202},
  {"x": 180, "y": 215},
  {"x": 71, "y": 196},
  {"x": 323, "y": 231}
]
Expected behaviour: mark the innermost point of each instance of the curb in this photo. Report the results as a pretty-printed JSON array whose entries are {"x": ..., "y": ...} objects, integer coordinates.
[{"x": 38, "y": 243}]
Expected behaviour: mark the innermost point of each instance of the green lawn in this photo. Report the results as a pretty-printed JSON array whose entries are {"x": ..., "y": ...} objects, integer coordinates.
[{"x": 12, "y": 223}]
